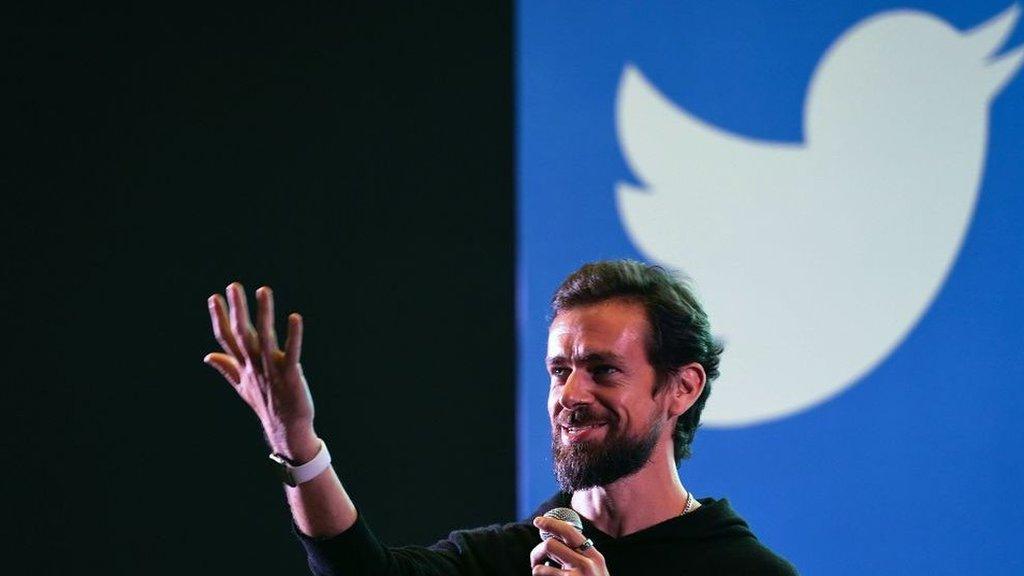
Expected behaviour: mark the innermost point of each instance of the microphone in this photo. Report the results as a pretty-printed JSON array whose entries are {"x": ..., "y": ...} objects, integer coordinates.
[{"x": 565, "y": 515}]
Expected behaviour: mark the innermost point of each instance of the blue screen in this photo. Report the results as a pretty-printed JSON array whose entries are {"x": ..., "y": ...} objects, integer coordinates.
[{"x": 842, "y": 182}]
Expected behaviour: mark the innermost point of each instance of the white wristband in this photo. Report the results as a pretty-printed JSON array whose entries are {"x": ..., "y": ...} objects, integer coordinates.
[{"x": 295, "y": 475}]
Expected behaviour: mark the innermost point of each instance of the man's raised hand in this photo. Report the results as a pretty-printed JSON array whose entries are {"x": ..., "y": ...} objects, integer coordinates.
[{"x": 268, "y": 379}]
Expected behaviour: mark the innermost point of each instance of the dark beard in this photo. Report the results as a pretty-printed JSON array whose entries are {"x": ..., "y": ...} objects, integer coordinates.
[{"x": 583, "y": 465}]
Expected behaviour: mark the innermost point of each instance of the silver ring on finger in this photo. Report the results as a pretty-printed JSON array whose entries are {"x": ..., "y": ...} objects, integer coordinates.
[{"x": 587, "y": 545}]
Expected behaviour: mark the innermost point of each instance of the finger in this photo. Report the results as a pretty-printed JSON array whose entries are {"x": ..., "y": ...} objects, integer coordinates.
[
  {"x": 563, "y": 530},
  {"x": 240, "y": 324},
  {"x": 293, "y": 344},
  {"x": 553, "y": 549},
  {"x": 542, "y": 570},
  {"x": 539, "y": 554},
  {"x": 267, "y": 335},
  {"x": 265, "y": 317},
  {"x": 226, "y": 365},
  {"x": 559, "y": 552},
  {"x": 221, "y": 327}
]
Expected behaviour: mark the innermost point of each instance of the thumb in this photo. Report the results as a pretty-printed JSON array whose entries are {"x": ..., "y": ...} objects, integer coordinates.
[{"x": 226, "y": 365}]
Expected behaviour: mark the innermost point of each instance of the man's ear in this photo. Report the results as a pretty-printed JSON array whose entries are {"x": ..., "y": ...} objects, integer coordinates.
[{"x": 685, "y": 387}]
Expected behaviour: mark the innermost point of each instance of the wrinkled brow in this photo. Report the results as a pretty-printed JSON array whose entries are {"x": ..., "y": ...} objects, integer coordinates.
[{"x": 586, "y": 357}]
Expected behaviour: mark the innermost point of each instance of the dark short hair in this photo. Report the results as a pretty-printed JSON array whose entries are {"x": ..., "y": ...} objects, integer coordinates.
[{"x": 679, "y": 334}]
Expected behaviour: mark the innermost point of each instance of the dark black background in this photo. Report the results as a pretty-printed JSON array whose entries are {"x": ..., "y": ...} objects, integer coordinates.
[{"x": 357, "y": 158}]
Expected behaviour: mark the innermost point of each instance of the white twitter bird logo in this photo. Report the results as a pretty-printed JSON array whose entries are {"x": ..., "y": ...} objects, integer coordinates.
[{"x": 818, "y": 258}]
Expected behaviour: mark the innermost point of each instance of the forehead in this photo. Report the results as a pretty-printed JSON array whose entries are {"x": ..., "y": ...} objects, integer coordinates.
[{"x": 618, "y": 326}]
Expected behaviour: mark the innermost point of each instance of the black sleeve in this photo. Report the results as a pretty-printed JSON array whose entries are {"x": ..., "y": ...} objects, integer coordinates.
[
  {"x": 357, "y": 551},
  {"x": 496, "y": 550}
]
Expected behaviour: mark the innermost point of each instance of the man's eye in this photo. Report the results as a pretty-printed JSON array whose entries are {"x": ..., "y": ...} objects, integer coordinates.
[
  {"x": 559, "y": 371},
  {"x": 604, "y": 370}
]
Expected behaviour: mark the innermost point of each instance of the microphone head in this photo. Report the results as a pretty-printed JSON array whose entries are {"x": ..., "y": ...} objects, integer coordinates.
[{"x": 565, "y": 515}]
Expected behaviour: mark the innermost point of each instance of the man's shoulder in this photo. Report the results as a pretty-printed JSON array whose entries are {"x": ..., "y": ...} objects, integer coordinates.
[
  {"x": 730, "y": 546},
  {"x": 512, "y": 536},
  {"x": 515, "y": 530},
  {"x": 745, "y": 556},
  {"x": 494, "y": 549}
]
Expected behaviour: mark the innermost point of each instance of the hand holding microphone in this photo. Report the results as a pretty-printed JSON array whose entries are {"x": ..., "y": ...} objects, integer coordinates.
[{"x": 561, "y": 532}]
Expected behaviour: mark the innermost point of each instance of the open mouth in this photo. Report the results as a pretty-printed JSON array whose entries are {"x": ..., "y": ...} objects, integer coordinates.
[{"x": 578, "y": 432}]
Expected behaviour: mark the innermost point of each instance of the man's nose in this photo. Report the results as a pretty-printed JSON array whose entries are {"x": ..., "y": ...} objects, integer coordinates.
[{"x": 576, "y": 390}]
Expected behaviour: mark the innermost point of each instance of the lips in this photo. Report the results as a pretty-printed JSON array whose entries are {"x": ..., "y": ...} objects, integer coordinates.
[{"x": 579, "y": 432}]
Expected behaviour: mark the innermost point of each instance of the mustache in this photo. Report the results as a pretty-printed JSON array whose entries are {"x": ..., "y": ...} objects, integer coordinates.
[{"x": 581, "y": 416}]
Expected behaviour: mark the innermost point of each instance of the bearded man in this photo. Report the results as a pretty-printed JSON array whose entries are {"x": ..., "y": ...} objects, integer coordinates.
[{"x": 631, "y": 361}]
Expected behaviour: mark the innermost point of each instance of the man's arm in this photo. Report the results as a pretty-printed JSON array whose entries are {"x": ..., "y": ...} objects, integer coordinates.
[{"x": 271, "y": 382}]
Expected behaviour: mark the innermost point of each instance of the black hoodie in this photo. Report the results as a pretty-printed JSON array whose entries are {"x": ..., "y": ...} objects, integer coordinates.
[{"x": 711, "y": 540}]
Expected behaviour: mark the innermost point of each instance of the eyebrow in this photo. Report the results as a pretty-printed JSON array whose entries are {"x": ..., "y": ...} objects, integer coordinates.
[{"x": 594, "y": 357}]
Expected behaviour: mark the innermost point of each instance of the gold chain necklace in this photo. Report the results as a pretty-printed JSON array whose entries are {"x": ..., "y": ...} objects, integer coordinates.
[{"x": 691, "y": 504}]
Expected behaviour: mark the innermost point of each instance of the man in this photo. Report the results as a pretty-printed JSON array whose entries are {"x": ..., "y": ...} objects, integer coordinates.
[{"x": 631, "y": 359}]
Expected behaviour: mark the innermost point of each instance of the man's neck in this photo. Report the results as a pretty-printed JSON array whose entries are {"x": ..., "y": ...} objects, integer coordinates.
[{"x": 651, "y": 496}]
